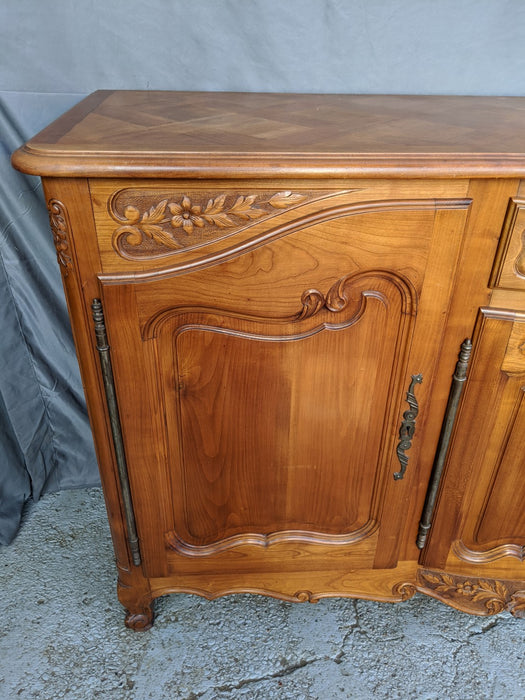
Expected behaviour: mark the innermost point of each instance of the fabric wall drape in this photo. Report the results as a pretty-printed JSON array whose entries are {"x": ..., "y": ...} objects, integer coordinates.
[{"x": 45, "y": 439}]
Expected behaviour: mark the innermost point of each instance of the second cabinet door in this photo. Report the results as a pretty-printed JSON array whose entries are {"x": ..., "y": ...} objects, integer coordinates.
[
  {"x": 484, "y": 533},
  {"x": 274, "y": 399}
]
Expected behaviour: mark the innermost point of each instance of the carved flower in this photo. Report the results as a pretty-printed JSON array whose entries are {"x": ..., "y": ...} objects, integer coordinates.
[
  {"x": 185, "y": 215},
  {"x": 466, "y": 588}
]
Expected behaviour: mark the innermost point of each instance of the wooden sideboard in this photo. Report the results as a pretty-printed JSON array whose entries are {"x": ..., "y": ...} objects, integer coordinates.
[{"x": 300, "y": 322}]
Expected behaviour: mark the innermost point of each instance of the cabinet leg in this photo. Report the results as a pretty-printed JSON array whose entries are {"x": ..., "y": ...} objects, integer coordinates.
[
  {"x": 135, "y": 595},
  {"x": 140, "y": 619}
]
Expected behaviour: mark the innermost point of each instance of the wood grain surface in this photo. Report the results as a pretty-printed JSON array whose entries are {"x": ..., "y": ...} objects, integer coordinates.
[
  {"x": 166, "y": 134},
  {"x": 277, "y": 274}
]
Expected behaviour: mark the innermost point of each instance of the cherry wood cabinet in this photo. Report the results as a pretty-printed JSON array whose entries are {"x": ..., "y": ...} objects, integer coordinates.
[{"x": 269, "y": 295}]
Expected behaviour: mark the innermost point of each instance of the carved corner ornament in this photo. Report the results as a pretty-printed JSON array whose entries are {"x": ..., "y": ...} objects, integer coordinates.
[
  {"x": 60, "y": 226},
  {"x": 149, "y": 230},
  {"x": 474, "y": 595}
]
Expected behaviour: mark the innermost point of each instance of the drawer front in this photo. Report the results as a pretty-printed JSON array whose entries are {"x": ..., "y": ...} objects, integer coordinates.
[{"x": 509, "y": 268}]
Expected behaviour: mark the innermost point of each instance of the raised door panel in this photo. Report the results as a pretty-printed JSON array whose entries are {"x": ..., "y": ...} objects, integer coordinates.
[
  {"x": 284, "y": 426},
  {"x": 262, "y": 396},
  {"x": 491, "y": 435}
]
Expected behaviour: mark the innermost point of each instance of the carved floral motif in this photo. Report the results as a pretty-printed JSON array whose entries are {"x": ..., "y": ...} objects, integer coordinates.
[
  {"x": 169, "y": 225},
  {"x": 60, "y": 226},
  {"x": 481, "y": 596}
]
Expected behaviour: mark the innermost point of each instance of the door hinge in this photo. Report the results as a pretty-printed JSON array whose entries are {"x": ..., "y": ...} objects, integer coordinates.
[{"x": 116, "y": 429}]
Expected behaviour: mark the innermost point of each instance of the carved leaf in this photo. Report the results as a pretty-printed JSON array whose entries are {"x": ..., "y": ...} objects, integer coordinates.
[
  {"x": 448, "y": 580},
  {"x": 158, "y": 234},
  {"x": 281, "y": 200},
  {"x": 155, "y": 214},
  {"x": 492, "y": 595},
  {"x": 517, "y": 604},
  {"x": 244, "y": 209},
  {"x": 59, "y": 221},
  {"x": 214, "y": 214},
  {"x": 501, "y": 590},
  {"x": 220, "y": 220},
  {"x": 216, "y": 205},
  {"x": 312, "y": 301}
]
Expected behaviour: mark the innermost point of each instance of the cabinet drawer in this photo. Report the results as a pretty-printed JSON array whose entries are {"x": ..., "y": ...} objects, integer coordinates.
[{"x": 509, "y": 268}]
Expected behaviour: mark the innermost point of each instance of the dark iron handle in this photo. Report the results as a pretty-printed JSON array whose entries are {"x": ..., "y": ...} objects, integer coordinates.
[{"x": 408, "y": 427}]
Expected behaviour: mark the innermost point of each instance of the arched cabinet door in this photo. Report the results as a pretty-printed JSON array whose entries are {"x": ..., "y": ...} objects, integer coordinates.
[{"x": 274, "y": 392}]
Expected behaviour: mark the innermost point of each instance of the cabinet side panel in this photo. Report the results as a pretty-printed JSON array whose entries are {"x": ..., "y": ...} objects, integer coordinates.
[{"x": 78, "y": 257}]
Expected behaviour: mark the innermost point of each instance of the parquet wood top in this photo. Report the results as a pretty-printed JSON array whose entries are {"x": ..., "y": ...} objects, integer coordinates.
[{"x": 130, "y": 132}]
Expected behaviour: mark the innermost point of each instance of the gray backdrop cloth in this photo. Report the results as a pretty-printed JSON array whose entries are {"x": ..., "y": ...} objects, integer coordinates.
[
  {"x": 380, "y": 46},
  {"x": 45, "y": 440},
  {"x": 52, "y": 53}
]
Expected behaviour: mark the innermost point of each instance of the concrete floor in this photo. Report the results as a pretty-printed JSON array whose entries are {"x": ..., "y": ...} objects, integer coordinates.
[{"x": 63, "y": 635}]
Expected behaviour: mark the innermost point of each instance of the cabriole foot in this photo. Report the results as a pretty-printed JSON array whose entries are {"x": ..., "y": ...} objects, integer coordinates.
[{"x": 140, "y": 621}]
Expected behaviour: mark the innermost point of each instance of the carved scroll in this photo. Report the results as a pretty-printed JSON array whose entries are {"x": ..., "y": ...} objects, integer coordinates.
[
  {"x": 337, "y": 298},
  {"x": 404, "y": 590}
]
